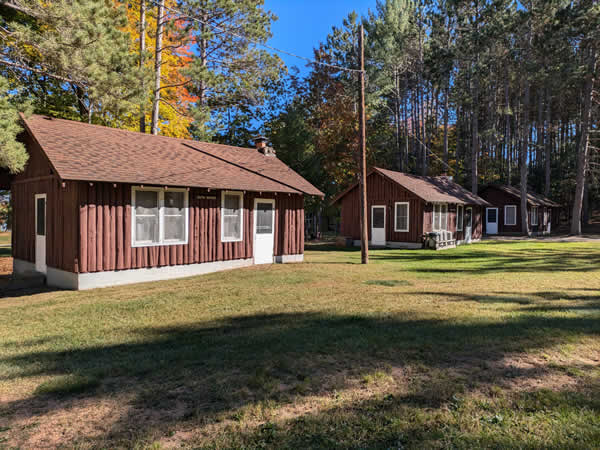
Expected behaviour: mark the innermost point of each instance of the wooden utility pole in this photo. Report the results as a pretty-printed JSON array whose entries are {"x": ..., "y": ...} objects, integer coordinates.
[
  {"x": 158, "y": 65},
  {"x": 364, "y": 235}
]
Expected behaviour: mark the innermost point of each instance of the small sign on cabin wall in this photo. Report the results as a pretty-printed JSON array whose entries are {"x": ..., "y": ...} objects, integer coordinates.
[{"x": 206, "y": 197}]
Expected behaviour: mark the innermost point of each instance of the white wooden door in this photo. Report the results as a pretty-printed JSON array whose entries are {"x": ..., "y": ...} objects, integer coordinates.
[
  {"x": 40, "y": 233},
  {"x": 264, "y": 230},
  {"x": 468, "y": 224},
  {"x": 378, "y": 225},
  {"x": 491, "y": 220}
]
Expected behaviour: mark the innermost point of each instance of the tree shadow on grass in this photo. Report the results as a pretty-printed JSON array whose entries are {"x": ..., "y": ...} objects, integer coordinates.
[
  {"x": 475, "y": 260},
  {"x": 204, "y": 373}
]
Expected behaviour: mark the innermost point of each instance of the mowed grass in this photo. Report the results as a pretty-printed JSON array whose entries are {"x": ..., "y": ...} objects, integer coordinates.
[
  {"x": 489, "y": 345},
  {"x": 5, "y": 238}
]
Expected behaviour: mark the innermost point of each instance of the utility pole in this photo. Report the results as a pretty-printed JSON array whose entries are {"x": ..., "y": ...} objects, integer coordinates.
[{"x": 364, "y": 234}]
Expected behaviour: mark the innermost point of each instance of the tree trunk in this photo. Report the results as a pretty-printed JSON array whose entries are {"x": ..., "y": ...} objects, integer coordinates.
[
  {"x": 583, "y": 143},
  {"x": 523, "y": 160},
  {"x": 549, "y": 136},
  {"x": 158, "y": 65},
  {"x": 142, "y": 62},
  {"x": 475, "y": 136}
]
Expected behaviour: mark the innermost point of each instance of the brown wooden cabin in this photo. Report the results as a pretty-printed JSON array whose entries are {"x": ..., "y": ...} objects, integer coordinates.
[
  {"x": 99, "y": 206},
  {"x": 503, "y": 217},
  {"x": 403, "y": 208}
]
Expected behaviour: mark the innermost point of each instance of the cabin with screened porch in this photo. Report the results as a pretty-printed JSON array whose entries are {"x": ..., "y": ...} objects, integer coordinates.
[
  {"x": 503, "y": 216},
  {"x": 408, "y": 211},
  {"x": 99, "y": 206}
]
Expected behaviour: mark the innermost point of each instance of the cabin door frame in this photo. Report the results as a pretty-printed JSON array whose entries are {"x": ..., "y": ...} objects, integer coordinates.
[
  {"x": 264, "y": 233},
  {"x": 491, "y": 227},
  {"x": 40, "y": 230},
  {"x": 468, "y": 225},
  {"x": 378, "y": 229}
]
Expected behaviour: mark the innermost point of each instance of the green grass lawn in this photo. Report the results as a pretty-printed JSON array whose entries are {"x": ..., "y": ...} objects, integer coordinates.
[
  {"x": 5, "y": 238},
  {"x": 492, "y": 345}
]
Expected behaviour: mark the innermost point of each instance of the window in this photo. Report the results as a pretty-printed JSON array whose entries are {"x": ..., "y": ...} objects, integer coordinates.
[
  {"x": 510, "y": 215},
  {"x": 41, "y": 216},
  {"x": 231, "y": 216},
  {"x": 160, "y": 216},
  {"x": 534, "y": 215},
  {"x": 440, "y": 216},
  {"x": 264, "y": 218},
  {"x": 460, "y": 217},
  {"x": 401, "y": 215}
]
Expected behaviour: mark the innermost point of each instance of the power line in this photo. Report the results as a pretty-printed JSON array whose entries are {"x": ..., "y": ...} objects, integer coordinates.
[{"x": 261, "y": 44}]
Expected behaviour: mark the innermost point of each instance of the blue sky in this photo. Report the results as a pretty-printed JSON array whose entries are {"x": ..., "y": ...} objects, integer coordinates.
[{"x": 303, "y": 24}]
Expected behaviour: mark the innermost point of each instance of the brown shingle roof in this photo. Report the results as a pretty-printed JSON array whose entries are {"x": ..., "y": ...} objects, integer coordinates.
[
  {"x": 430, "y": 189},
  {"x": 533, "y": 198},
  {"x": 80, "y": 151}
]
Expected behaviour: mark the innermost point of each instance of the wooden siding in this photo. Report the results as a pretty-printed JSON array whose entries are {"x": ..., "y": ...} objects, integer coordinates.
[
  {"x": 381, "y": 191},
  {"x": 89, "y": 225},
  {"x": 500, "y": 199},
  {"x": 105, "y": 231},
  {"x": 61, "y": 205}
]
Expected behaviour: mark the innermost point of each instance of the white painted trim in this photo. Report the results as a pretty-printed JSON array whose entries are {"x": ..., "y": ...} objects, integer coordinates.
[
  {"x": 255, "y": 247},
  {"x": 505, "y": 215},
  {"x": 462, "y": 214},
  {"x": 384, "y": 207},
  {"x": 463, "y": 242},
  {"x": 532, "y": 216},
  {"x": 397, "y": 230},
  {"x": 285, "y": 259},
  {"x": 161, "y": 216},
  {"x": 82, "y": 281},
  {"x": 442, "y": 206},
  {"x": 241, "y": 205},
  {"x": 42, "y": 265}
]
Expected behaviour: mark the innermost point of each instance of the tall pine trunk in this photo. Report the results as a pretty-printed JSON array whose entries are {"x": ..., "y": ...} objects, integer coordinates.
[
  {"x": 475, "y": 136},
  {"x": 549, "y": 136},
  {"x": 158, "y": 65},
  {"x": 142, "y": 62},
  {"x": 523, "y": 159},
  {"x": 583, "y": 142}
]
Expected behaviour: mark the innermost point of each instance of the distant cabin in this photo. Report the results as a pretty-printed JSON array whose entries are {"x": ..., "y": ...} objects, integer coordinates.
[
  {"x": 99, "y": 206},
  {"x": 503, "y": 217},
  {"x": 403, "y": 209}
]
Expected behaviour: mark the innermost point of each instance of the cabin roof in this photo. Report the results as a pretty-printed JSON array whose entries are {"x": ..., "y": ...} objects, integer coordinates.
[
  {"x": 81, "y": 151},
  {"x": 430, "y": 189},
  {"x": 533, "y": 198}
]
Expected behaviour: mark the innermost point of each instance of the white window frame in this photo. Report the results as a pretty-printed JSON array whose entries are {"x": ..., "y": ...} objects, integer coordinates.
[
  {"x": 161, "y": 215},
  {"x": 241, "y": 206},
  {"x": 400, "y": 230},
  {"x": 534, "y": 216},
  {"x": 443, "y": 206},
  {"x": 506, "y": 207},
  {"x": 460, "y": 215}
]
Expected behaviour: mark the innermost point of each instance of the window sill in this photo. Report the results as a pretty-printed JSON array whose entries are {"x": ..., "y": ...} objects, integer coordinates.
[
  {"x": 159, "y": 244},
  {"x": 231, "y": 240}
]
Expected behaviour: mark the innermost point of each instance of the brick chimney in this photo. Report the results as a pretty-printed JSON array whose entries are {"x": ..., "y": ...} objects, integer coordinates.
[{"x": 261, "y": 145}]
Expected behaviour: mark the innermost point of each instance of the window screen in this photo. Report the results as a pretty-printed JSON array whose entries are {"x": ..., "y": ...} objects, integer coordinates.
[
  {"x": 534, "y": 215},
  {"x": 264, "y": 218},
  {"x": 440, "y": 217},
  {"x": 378, "y": 217},
  {"x": 174, "y": 216},
  {"x": 459, "y": 217},
  {"x": 232, "y": 217},
  {"x": 41, "y": 217},
  {"x": 469, "y": 217},
  {"x": 510, "y": 215},
  {"x": 401, "y": 217},
  {"x": 146, "y": 217},
  {"x": 492, "y": 213}
]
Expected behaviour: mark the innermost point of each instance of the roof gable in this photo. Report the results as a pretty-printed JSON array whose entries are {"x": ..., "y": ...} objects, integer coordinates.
[
  {"x": 429, "y": 189},
  {"x": 80, "y": 151},
  {"x": 533, "y": 198}
]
